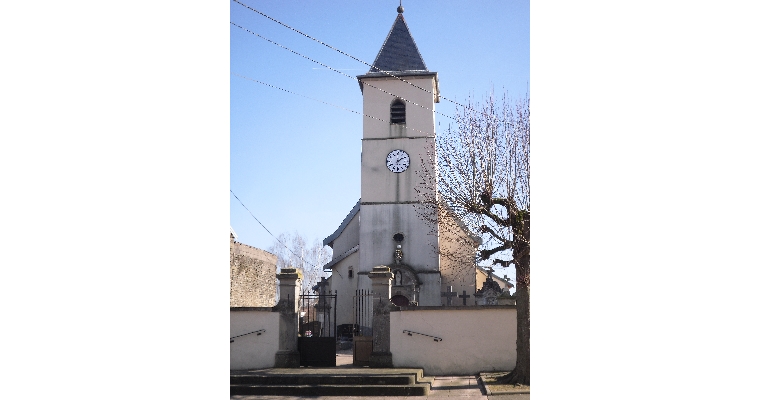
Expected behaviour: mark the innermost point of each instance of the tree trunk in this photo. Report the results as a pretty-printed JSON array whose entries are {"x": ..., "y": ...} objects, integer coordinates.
[{"x": 521, "y": 373}]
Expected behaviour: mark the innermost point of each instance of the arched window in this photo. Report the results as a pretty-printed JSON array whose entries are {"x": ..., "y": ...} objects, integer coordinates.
[{"x": 398, "y": 112}]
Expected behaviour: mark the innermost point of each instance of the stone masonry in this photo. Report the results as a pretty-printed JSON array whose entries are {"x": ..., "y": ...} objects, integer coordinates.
[{"x": 252, "y": 276}]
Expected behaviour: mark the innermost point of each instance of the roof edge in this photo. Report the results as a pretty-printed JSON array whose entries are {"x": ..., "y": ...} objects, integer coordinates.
[
  {"x": 400, "y": 74},
  {"x": 399, "y": 17},
  {"x": 387, "y": 74},
  {"x": 340, "y": 257},
  {"x": 328, "y": 240}
]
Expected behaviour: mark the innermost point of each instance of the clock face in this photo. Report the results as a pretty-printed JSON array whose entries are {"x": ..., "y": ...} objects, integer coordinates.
[{"x": 397, "y": 161}]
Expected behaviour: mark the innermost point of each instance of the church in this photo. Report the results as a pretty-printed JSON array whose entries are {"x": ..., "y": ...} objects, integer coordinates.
[{"x": 384, "y": 228}]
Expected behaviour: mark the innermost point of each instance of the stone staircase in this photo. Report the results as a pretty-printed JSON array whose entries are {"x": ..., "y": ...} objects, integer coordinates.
[{"x": 330, "y": 382}]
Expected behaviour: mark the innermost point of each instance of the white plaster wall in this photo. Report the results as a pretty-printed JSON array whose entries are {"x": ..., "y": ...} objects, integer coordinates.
[
  {"x": 474, "y": 340},
  {"x": 348, "y": 238},
  {"x": 379, "y": 184},
  {"x": 430, "y": 290},
  {"x": 253, "y": 351},
  {"x": 380, "y": 222},
  {"x": 377, "y": 104},
  {"x": 346, "y": 287}
]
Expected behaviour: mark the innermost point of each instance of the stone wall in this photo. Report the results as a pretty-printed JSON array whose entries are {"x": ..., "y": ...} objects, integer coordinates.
[{"x": 252, "y": 276}]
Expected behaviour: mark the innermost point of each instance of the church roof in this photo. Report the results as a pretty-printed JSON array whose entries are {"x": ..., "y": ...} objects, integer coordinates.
[
  {"x": 328, "y": 240},
  {"x": 341, "y": 257},
  {"x": 399, "y": 51}
]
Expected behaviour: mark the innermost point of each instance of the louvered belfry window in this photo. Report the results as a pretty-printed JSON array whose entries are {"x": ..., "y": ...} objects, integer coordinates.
[{"x": 398, "y": 112}]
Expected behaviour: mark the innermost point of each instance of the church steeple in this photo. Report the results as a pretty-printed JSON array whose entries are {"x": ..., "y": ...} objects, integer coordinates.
[{"x": 399, "y": 51}]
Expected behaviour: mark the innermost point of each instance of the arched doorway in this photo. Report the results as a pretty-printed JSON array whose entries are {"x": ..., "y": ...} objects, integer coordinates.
[{"x": 400, "y": 300}]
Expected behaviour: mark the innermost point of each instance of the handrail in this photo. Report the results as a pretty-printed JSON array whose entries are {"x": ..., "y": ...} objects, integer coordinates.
[
  {"x": 258, "y": 333},
  {"x": 435, "y": 338}
]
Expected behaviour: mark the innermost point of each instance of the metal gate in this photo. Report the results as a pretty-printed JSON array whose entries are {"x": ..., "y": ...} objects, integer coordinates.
[
  {"x": 317, "y": 329},
  {"x": 362, "y": 327}
]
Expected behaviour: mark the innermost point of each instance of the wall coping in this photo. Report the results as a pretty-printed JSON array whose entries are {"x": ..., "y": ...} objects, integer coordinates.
[
  {"x": 251, "y": 309},
  {"x": 455, "y": 308},
  {"x": 248, "y": 246}
]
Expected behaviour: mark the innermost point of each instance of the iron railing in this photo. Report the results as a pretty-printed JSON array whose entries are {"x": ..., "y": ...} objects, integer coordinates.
[
  {"x": 410, "y": 333},
  {"x": 317, "y": 314},
  {"x": 258, "y": 333},
  {"x": 363, "y": 313}
]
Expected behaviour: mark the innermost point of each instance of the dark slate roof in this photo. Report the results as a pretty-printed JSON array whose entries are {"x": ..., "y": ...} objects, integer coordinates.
[
  {"x": 328, "y": 240},
  {"x": 341, "y": 257},
  {"x": 399, "y": 52}
]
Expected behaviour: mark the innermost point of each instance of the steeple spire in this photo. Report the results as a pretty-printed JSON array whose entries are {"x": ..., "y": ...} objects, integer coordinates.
[{"x": 399, "y": 51}]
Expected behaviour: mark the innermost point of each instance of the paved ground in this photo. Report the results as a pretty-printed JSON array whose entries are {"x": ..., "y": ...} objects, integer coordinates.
[
  {"x": 465, "y": 387},
  {"x": 443, "y": 386},
  {"x": 441, "y": 389}
]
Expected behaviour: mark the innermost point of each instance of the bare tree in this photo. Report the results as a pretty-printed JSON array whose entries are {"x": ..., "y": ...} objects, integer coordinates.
[
  {"x": 477, "y": 181},
  {"x": 293, "y": 251}
]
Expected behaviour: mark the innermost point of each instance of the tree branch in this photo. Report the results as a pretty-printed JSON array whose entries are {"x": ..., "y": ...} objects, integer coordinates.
[
  {"x": 486, "y": 254},
  {"x": 487, "y": 229}
]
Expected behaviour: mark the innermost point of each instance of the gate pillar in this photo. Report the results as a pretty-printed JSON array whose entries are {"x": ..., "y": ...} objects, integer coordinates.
[
  {"x": 381, "y": 356},
  {"x": 287, "y": 356}
]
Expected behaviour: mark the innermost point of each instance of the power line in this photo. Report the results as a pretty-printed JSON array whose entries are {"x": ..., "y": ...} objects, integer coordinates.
[
  {"x": 371, "y": 66},
  {"x": 324, "y": 102},
  {"x": 344, "y": 74},
  {"x": 265, "y": 228}
]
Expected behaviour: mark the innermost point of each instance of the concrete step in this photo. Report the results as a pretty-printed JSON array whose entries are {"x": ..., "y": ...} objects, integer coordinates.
[
  {"x": 330, "y": 382},
  {"x": 323, "y": 380},
  {"x": 419, "y": 389}
]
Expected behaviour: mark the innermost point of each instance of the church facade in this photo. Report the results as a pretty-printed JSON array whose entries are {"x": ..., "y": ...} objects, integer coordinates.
[{"x": 384, "y": 228}]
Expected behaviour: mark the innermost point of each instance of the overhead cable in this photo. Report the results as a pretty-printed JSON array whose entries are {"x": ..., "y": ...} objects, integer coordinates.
[
  {"x": 324, "y": 102},
  {"x": 372, "y": 67},
  {"x": 344, "y": 74},
  {"x": 265, "y": 228}
]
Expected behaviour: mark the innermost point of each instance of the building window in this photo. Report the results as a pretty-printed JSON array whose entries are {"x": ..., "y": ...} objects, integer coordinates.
[
  {"x": 398, "y": 112},
  {"x": 350, "y": 272}
]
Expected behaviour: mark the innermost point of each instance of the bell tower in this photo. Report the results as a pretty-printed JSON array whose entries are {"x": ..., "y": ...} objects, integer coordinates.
[{"x": 399, "y": 96}]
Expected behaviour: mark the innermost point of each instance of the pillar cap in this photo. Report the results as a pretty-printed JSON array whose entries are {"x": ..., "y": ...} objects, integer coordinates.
[
  {"x": 289, "y": 273},
  {"x": 381, "y": 271}
]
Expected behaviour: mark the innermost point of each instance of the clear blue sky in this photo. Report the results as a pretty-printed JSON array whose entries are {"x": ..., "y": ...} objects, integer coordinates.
[{"x": 294, "y": 162}]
